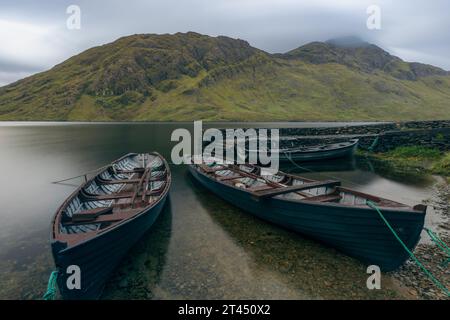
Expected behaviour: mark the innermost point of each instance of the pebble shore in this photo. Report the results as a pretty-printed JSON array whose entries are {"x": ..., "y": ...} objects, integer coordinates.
[{"x": 433, "y": 258}]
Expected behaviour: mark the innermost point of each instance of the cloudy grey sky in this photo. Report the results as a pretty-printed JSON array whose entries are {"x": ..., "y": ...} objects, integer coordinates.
[{"x": 34, "y": 36}]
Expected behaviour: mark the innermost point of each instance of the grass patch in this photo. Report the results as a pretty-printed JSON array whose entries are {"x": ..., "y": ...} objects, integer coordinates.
[
  {"x": 414, "y": 152},
  {"x": 442, "y": 166},
  {"x": 430, "y": 160}
]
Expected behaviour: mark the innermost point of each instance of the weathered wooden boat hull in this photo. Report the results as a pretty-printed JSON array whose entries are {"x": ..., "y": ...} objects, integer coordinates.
[
  {"x": 356, "y": 231},
  {"x": 319, "y": 155},
  {"x": 98, "y": 257},
  {"x": 326, "y": 154},
  {"x": 96, "y": 225},
  {"x": 304, "y": 156},
  {"x": 319, "y": 166}
]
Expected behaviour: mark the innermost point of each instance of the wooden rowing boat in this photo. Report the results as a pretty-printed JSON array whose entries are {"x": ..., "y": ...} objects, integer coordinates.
[
  {"x": 104, "y": 217},
  {"x": 322, "y": 210},
  {"x": 294, "y": 151}
]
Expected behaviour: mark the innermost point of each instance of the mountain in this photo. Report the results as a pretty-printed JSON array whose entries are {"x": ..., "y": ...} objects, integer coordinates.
[
  {"x": 348, "y": 42},
  {"x": 362, "y": 56},
  {"x": 189, "y": 76}
]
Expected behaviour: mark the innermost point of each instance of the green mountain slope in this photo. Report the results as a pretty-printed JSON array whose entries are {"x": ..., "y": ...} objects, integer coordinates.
[{"x": 192, "y": 76}]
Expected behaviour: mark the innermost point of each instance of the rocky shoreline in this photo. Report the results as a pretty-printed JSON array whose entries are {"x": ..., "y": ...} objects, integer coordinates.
[{"x": 433, "y": 258}]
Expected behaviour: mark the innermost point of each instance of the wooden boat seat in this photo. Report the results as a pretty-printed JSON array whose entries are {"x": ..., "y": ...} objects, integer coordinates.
[
  {"x": 132, "y": 181},
  {"x": 106, "y": 218},
  {"x": 230, "y": 177},
  {"x": 324, "y": 198},
  {"x": 126, "y": 181},
  {"x": 211, "y": 170},
  {"x": 260, "y": 188},
  {"x": 112, "y": 217},
  {"x": 283, "y": 190},
  {"x": 136, "y": 170},
  {"x": 123, "y": 195},
  {"x": 89, "y": 215}
]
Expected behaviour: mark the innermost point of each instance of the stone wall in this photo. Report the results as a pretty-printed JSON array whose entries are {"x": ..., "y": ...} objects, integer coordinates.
[
  {"x": 434, "y": 134},
  {"x": 425, "y": 124},
  {"x": 375, "y": 128},
  {"x": 433, "y": 138},
  {"x": 346, "y": 130}
]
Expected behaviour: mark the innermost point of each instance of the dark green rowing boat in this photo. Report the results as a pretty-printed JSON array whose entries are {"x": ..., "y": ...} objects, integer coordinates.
[{"x": 322, "y": 210}]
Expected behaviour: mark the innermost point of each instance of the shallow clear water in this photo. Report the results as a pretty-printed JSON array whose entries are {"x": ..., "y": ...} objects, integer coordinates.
[{"x": 201, "y": 247}]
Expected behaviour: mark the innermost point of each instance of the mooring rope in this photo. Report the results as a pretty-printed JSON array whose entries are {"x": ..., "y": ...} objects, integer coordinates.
[
  {"x": 374, "y": 143},
  {"x": 372, "y": 205},
  {"x": 82, "y": 175},
  {"x": 411, "y": 254},
  {"x": 441, "y": 244},
  {"x": 51, "y": 286}
]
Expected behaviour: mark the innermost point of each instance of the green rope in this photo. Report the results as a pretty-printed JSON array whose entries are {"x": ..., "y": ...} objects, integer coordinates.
[
  {"x": 441, "y": 244},
  {"x": 374, "y": 144},
  {"x": 428, "y": 273},
  {"x": 51, "y": 286}
]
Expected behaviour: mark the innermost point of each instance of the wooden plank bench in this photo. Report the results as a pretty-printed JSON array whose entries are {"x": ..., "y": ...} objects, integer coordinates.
[
  {"x": 89, "y": 215},
  {"x": 114, "y": 217},
  {"x": 124, "y": 195},
  {"x": 127, "y": 181},
  {"x": 260, "y": 188},
  {"x": 324, "y": 198},
  {"x": 133, "y": 181},
  {"x": 230, "y": 177},
  {"x": 283, "y": 190},
  {"x": 137, "y": 170},
  {"x": 211, "y": 170}
]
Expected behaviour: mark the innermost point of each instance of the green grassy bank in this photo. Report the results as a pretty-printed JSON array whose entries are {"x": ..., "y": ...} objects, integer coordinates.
[{"x": 429, "y": 160}]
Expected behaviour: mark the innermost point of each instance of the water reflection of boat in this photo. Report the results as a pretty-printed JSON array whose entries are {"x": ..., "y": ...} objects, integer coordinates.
[
  {"x": 389, "y": 170},
  {"x": 335, "y": 165},
  {"x": 102, "y": 219},
  {"x": 300, "y": 264},
  {"x": 143, "y": 264},
  {"x": 322, "y": 210}
]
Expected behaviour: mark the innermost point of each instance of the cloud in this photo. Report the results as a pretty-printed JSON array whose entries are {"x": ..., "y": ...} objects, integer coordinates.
[
  {"x": 34, "y": 34},
  {"x": 27, "y": 48},
  {"x": 30, "y": 44}
]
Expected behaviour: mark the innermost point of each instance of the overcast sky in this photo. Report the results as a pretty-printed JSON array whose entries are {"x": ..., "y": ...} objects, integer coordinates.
[{"x": 34, "y": 35}]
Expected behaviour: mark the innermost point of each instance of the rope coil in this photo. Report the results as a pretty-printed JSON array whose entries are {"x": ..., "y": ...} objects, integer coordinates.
[{"x": 51, "y": 286}]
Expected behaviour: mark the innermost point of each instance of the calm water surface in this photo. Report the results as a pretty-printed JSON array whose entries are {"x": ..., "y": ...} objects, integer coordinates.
[{"x": 201, "y": 247}]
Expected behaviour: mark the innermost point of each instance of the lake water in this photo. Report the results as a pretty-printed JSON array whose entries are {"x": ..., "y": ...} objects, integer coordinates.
[{"x": 201, "y": 247}]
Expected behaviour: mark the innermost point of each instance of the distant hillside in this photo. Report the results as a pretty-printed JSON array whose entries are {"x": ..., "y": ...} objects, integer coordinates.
[
  {"x": 191, "y": 76},
  {"x": 362, "y": 56}
]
